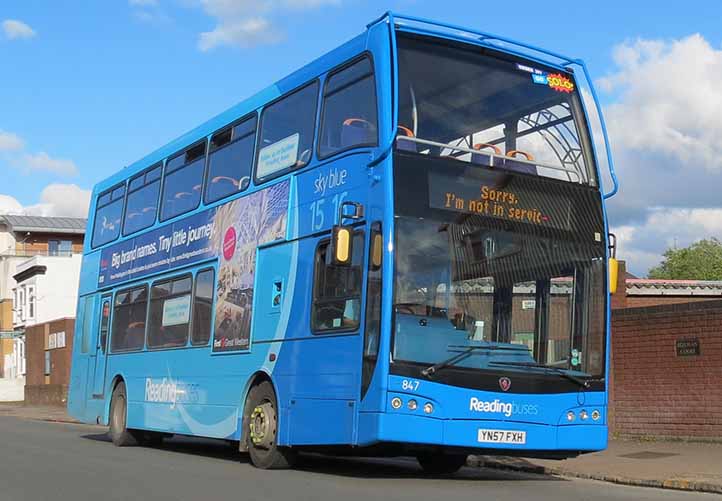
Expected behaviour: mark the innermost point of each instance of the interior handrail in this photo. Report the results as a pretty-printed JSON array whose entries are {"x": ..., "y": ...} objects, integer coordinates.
[{"x": 489, "y": 154}]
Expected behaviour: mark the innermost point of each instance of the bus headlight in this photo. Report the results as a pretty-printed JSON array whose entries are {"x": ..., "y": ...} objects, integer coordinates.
[
  {"x": 570, "y": 416},
  {"x": 583, "y": 415},
  {"x": 428, "y": 408},
  {"x": 396, "y": 403},
  {"x": 596, "y": 415},
  {"x": 412, "y": 405}
]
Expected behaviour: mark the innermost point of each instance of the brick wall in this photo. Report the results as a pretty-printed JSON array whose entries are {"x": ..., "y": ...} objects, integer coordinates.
[
  {"x": 642, "y": 301},
  {"x": 39, "y": 387},
  {"x": 654, "y": 392}
]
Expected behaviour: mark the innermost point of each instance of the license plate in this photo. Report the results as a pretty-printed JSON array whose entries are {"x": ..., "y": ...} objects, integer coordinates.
[{"x": 501, "y": 437}]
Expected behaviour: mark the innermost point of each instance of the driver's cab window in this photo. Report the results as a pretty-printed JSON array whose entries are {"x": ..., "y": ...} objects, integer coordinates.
[{"x": 337, "y": 289}]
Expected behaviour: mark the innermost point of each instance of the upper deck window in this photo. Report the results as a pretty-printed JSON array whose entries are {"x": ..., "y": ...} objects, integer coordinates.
[
  {"x": 287, "y": 128},
  {"x": 141, "y": 206},
  {"x": 183, "y": 182},
  {"x": 519, "y": 116},
  {"x": 349, "y": 109},
  {"x": 230, "y": 160},
  {"x": 108, "y": 213}
]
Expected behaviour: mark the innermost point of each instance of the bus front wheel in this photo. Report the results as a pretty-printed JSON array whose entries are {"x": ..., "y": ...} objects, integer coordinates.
[
  {"x": 440, "y": 463},
  {"x": 262, "y": 432},
  {"x": 119, "y": 432}
]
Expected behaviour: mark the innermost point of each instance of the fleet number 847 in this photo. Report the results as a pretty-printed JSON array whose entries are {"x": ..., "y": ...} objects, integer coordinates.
[{"x": 410, "y": 384}]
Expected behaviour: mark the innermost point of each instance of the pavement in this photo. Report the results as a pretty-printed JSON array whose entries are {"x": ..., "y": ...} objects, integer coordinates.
[
  {"x": 693, "y": 466},
  {"x": 682, "y": 466}
]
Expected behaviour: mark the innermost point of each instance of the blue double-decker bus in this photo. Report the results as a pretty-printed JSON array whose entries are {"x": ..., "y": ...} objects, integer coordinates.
[{"x": 399, "y": 249}]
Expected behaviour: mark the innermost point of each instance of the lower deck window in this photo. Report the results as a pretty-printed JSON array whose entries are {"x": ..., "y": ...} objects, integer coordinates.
[
  {"x": 131, "y": 306},
  {"x": 170, "y": 313}
]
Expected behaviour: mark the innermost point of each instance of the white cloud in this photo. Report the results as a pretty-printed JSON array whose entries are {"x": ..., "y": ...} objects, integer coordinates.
[
  {"x": 670, "y": 100},
  {"x": 68, "y": 200},
  {"x": 247, "y": 23},
  {"x": 15, "y": 29},
  {"x": 10, "y": 205},
  {"x": 665, "y": 124},
  {"x": 45, "y": 163},
  {"x": 244, "y": 33},
  {"x": 10, "y": 141}
]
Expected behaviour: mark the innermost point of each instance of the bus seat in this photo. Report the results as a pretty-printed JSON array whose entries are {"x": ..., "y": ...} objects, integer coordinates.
[
  {"x": 403, "y": 144},
  {"x": 303, "y": 158},
  {"x": 226, "y": 179},
  {"x": 524, "y": 168},
  {"x": 356, "y": 131},
  {"x": 482, "y": 159}
]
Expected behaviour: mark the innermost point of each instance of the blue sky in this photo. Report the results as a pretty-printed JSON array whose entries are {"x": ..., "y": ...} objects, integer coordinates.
[{"x": 87, "y": 87}]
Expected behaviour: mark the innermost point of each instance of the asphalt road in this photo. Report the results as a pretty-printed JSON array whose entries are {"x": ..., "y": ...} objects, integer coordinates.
[{"x": 52, "y": 461}]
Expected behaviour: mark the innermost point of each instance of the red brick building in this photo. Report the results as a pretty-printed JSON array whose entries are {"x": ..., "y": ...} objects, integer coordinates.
[{"x": 49, "y": 349}]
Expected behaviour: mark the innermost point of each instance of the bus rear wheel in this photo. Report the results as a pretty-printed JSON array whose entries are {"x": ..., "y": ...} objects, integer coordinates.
[
  {"x": 119, "y": 432},
  {"x": 262, "y": 432},
  {"x": 440, "y": 463}
]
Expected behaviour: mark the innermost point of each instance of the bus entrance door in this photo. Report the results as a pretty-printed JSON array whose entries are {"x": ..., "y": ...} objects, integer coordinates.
[{"x": 101, "y": 347}]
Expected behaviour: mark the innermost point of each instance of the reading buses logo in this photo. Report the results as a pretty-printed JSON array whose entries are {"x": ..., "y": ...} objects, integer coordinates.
[
  {"x": 170, "y": 392},
  {"x": 496, "y": 406}
]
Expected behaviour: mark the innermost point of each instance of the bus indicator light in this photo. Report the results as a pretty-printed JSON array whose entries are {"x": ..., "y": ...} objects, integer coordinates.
[{"x": 396, "y": 403}]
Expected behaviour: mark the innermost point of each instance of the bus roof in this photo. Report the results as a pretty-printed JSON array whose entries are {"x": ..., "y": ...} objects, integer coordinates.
[{"x": 324, "y": 63}]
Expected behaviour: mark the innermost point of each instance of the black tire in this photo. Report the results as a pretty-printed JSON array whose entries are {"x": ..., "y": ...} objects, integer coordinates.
[
  {"x": 119, "y": 432},
  {"x": 440, "y": 463},
  {"x": 261, "y": 434}
]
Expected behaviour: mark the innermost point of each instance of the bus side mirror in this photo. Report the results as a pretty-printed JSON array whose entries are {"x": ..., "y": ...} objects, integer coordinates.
[
  {"x": 377, "y": 251},
  {"x": 341, "y": 245},
  {"x": 613, "y": 264}
]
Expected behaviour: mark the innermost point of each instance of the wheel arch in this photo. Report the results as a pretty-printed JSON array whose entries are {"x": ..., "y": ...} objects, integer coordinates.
[
  {"x": 256, "y": 378},
  {"x": 114, "y": 382}
]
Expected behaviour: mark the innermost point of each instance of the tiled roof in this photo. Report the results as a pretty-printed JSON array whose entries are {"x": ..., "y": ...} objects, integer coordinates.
[
  {"x": 652, "y": 287},
  {"x": 72, "y": 225}
]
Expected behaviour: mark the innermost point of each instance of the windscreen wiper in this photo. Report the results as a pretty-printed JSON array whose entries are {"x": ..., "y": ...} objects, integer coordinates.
[
  {"x": 562, "y": 372},
  {"x": 429, "y": 371}
]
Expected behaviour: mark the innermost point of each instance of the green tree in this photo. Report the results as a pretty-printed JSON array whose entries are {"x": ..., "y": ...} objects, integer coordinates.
[{"x": 700, "y": 261}]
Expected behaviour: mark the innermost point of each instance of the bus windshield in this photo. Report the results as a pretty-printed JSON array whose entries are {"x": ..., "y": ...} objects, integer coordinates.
[
  {"x": 490, "y": 259},
  {"x": 477, "y": 106}
]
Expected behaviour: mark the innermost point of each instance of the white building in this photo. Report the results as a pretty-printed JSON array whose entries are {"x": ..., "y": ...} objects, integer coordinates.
[{"x": 39, "y": 273}]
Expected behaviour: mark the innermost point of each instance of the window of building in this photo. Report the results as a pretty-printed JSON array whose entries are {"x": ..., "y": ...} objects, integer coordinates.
[
  {"x": 349, "y": 110},
  {"x": 60, "y": 247},
  {"x": 230, "y": 160},
  {"x": 21, "y": 304},
  {"x": 108, "y": 213},
  {"x": 183, "y": 182},
  {"x": 337, "y": 289},
  {"x": 203, "y": 307},
  {"x": 31, "y": 302},
  {"x": 170, "y": 313},
  {"x": 287, "y": 128},
  {"x": 47, "y": 362},
  {"x": 131, "y": 306},
  {"x": 141, "y": 206}
]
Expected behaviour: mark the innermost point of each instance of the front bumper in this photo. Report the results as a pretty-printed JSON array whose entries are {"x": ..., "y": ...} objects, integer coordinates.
[{"x": 458, "y": 433}]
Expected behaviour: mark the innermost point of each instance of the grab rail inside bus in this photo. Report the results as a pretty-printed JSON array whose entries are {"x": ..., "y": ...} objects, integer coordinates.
[
  {"x": 395, "y": 20},
  {"x": 491, "y": 155}
]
